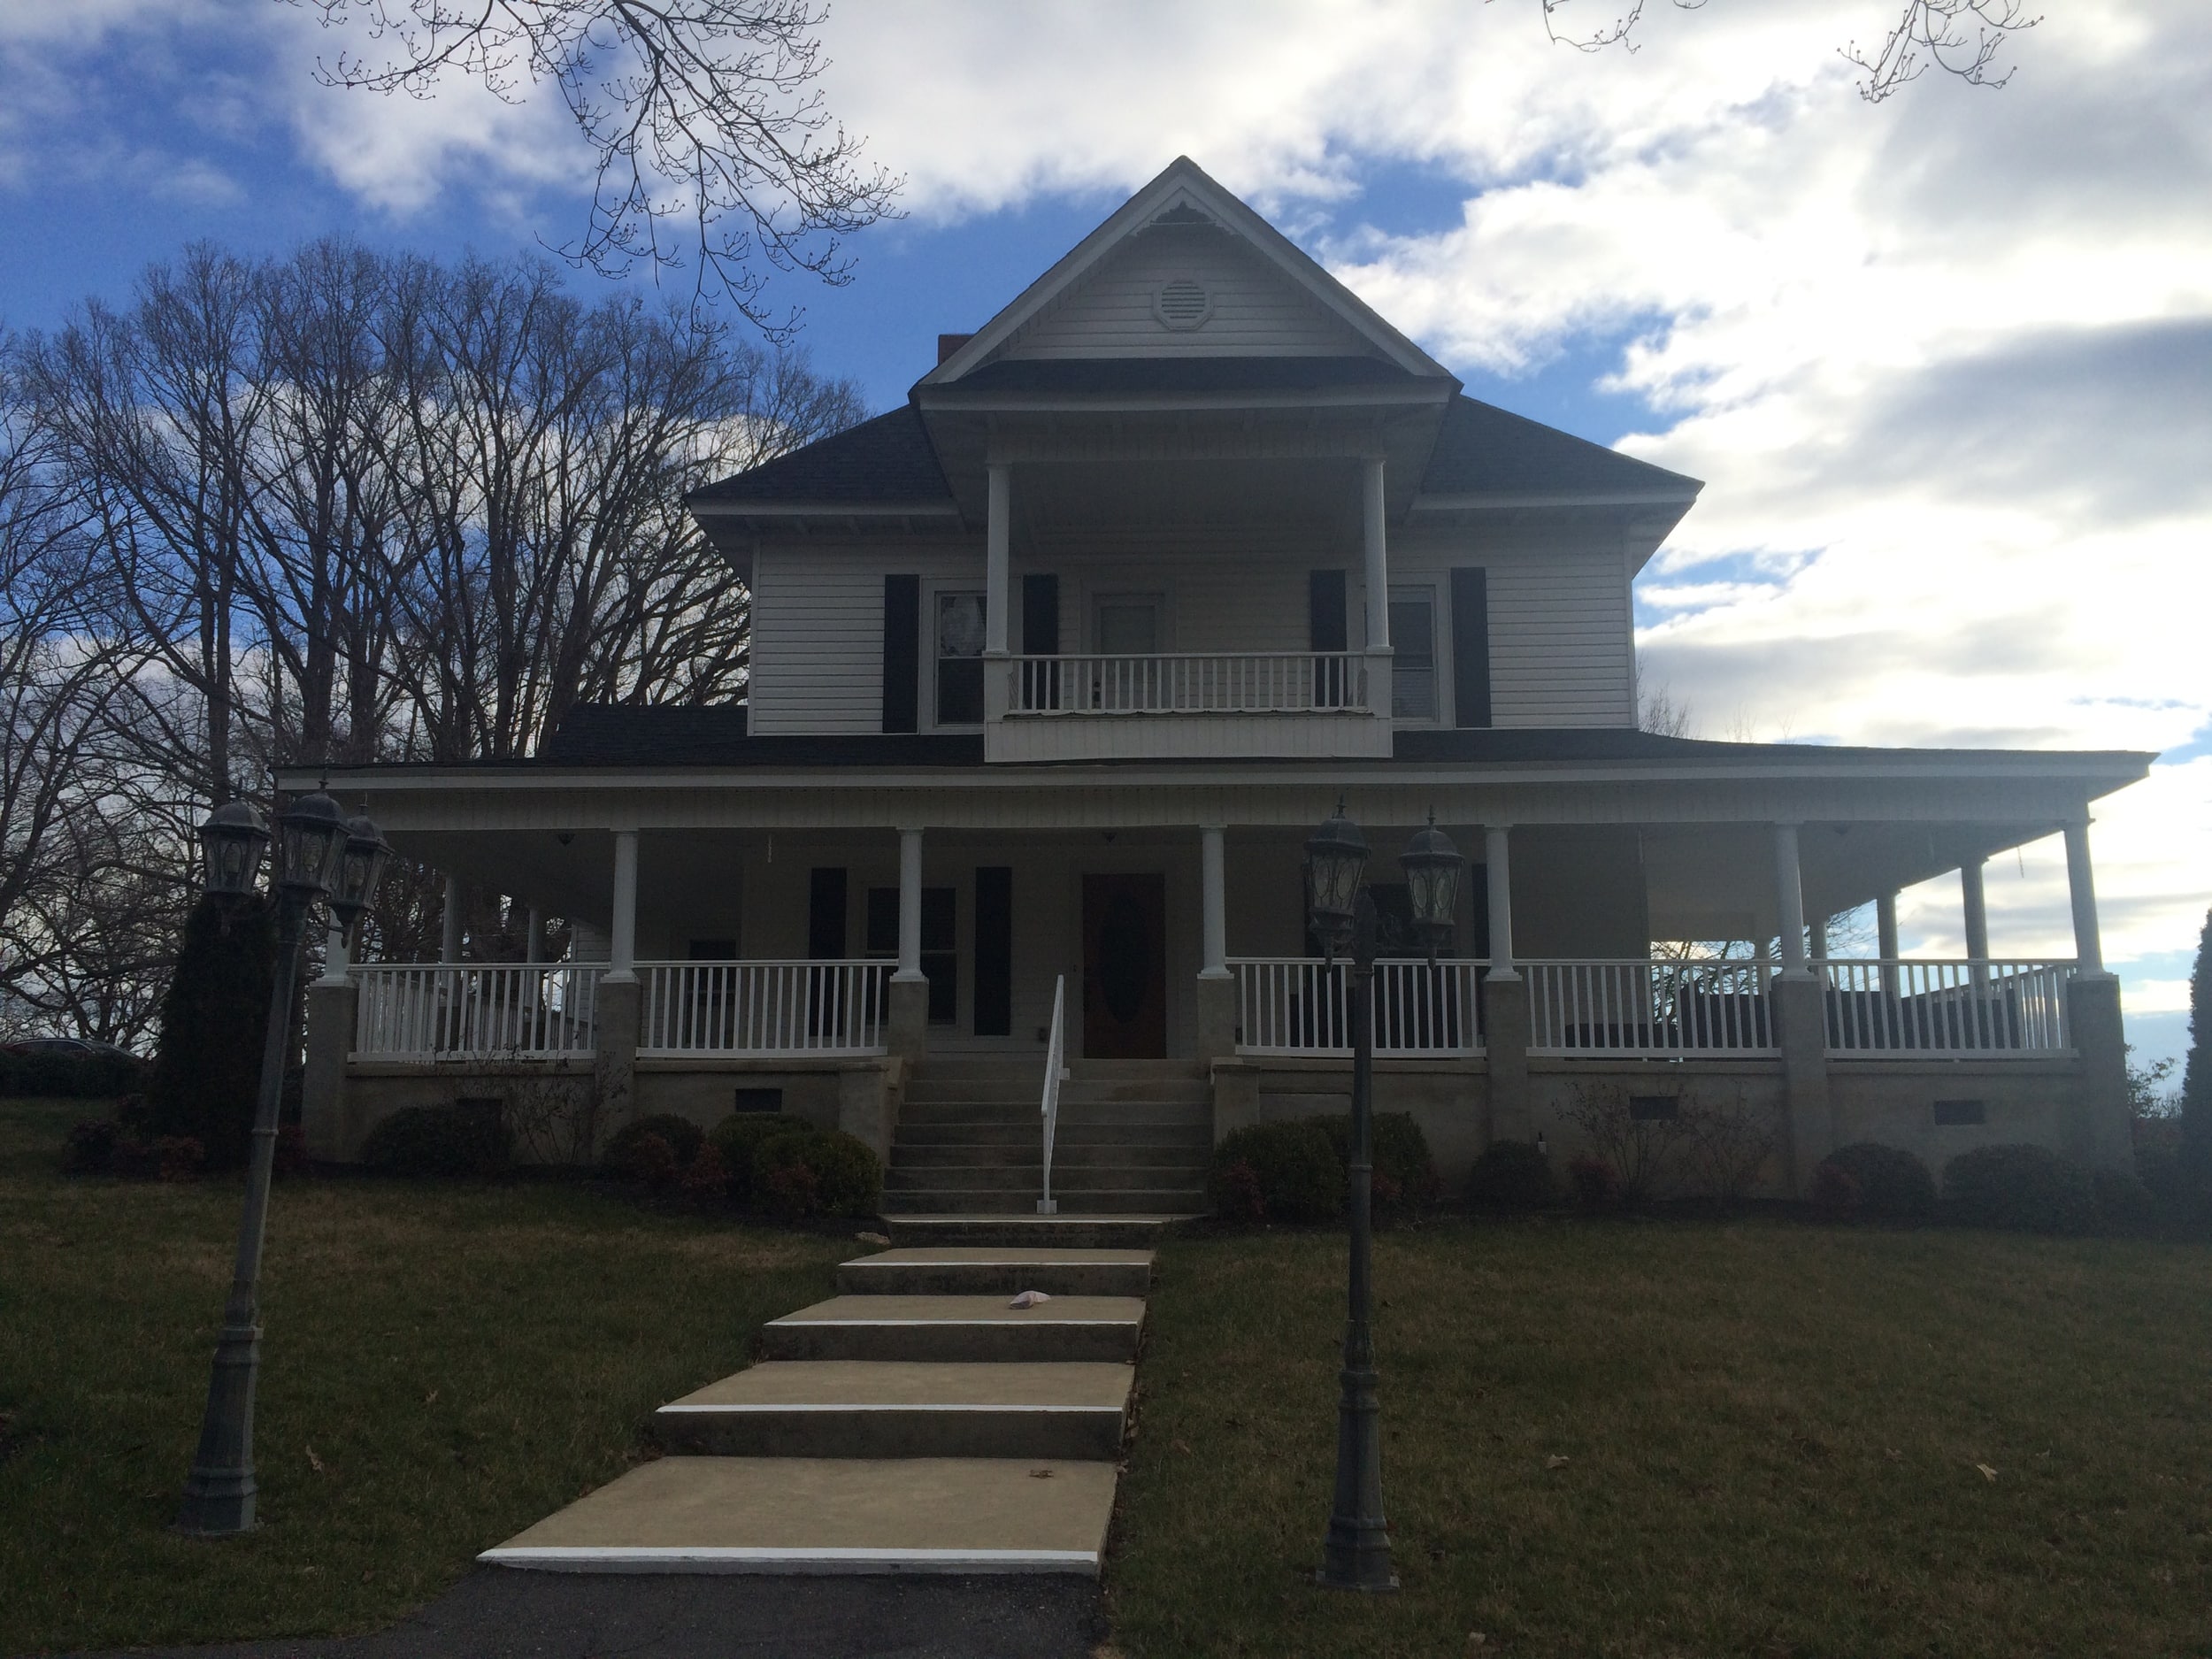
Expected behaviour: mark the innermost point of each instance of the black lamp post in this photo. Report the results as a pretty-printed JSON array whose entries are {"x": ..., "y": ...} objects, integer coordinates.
[
  {"x": 1357, "y": 1554},
  {"x": 319, "y": 854}
]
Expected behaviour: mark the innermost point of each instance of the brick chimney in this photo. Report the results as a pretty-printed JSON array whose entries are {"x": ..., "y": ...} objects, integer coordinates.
[{"x": 946, "y": 344}]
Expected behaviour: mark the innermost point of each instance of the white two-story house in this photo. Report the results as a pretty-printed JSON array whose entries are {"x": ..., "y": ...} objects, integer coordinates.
[{"x": 1055, "y": 669}]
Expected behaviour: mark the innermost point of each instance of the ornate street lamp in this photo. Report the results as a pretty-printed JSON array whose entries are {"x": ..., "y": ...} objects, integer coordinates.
[
  {"x": 1357, "y": 1554},
  {"x": 319, "y": 854}
]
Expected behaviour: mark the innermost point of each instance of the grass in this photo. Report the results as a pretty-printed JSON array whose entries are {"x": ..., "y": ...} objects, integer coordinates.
[
  {"x": 1684, "y": 1439},
  {"x": 442, "y": 1364}
]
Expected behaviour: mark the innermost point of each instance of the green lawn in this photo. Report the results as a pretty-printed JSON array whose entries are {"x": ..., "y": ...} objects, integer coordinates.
[
  {"x": 1770, "y": 1435},
  {"x": 441, "y": 1366}
]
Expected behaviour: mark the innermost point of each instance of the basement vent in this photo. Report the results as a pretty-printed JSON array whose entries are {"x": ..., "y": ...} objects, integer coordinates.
[{"x": 1182, "y": 304}]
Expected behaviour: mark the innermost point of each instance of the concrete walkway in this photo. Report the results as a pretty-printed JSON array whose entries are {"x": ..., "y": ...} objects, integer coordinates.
[{"x": 916, "y": 1423}]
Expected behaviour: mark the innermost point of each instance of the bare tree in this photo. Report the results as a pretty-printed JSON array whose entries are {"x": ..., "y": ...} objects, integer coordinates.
[
  {"x": 700, "y": 112},
  {"x": 1959, "y": 37}
]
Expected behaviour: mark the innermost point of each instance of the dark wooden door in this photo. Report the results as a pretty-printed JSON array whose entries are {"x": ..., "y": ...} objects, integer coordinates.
[{"x": 1124, "y": 967}]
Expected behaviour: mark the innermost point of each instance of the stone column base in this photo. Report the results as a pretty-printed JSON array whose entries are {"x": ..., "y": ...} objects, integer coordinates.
[
  {"x": 621, "y": 1008},
  {"x": 906, "y": 1018},
  {"x": 1505, "y": 1045},
  {"x": 2098, "y": 1130},
  {"x": 331, "y": 1010},
  {"x": 1217, "y": 1017},
  {"x": 1801, "y": 1012}
]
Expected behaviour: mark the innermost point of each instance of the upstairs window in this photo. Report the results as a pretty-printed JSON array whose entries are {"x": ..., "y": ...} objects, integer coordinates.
[
  {"x": 1413, "y": 644},
  {"x": 960, "y": 635}
]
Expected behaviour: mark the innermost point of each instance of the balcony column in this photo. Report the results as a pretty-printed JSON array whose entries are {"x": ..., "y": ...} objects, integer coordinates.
[
  {"x": 1375, "y": 545},
  {"x": 1885, "y": 943},
  {"x": 997, "y": 596},
  {"x": 906, "y": 1026},
  {"x": 1217, "y": 986},
  {"x": 2098, "y": 1128},
  {"x": 1800, "y": 1014},
  {"x": 1505, "y": 1023},
  {"x": 534, "y": 936},
  {"x": 1975, "y": 904},
  {"x": 450, "y": 939},
  {"x": 1817, "y": 940},
  {"x": 333, "y": 1009},
  {"x": 619, "y": 1002}
]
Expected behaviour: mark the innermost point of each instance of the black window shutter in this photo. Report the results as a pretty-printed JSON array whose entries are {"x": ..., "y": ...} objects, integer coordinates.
[
  {"x": 1041, "y": 614},
  {"x": 1324, "y": 611},
  {"x": 902, "y": 653},
  {"x": 993, "y": 951},
  {"x": 1470, "y": 646},
  {"x": 826, "y": 913}
]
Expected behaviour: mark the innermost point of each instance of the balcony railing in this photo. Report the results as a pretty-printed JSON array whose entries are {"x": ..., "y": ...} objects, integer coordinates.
[
  {"x": 1947, "y": 1008},
  {"x": 1248, "y": 682},
  {"x": 1291, "y": 1005},
  {"x": 1656, "y": 1008},
  {"x": 475, "y": 1011},
  {"x": 747, "y": 1008}
]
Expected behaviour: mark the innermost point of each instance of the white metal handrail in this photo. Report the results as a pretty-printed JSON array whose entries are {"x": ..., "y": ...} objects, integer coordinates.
[
  {"x": 1240, "y": 682},
  {"x": 1300, "y": 1005},
  {"x": 1955, "y": 1006},
  {"x": 475, "y": 1009},
  {"x": 1055, "y": 1074},
  {"x": 1657, "y": 1007},
  {"x": 787, "y": 1007}
]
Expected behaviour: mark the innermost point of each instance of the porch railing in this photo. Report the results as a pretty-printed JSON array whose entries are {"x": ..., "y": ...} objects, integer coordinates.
[
  {"x": 793, "y": 1007},
  {"x": 1649, "y": 1008},
  {"x": 1244, "y": 682},
  {"x": 1295, "y": 1005},
  {"x": 475, "y": 1011},
  {"x": 1948, "y": 1007}
]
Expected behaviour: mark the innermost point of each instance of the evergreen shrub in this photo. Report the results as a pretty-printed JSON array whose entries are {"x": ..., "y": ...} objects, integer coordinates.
[
  {"x": 69, "y": 1076},
  {"x": 1511, "y": 1175},
  {"x": 738, "y": 1137},
  {"x": 440, "y": 1141},
  {"x": 2019, "y": 1187},
  {"x": 817, "y": 1171},
  {"x": 2125, "y": 1205},
  {"x": 624, "y": 1158},
  {"x": 1294, "y": 1163},
  {"x": 1405, "y": 1179},
  {"x": 214, "y": 1019},
  {"x": 1891, "y": 1180}
]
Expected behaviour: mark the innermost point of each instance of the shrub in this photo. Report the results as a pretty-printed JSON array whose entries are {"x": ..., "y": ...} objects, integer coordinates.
[
  {"x": 806, "y": 1171},
  {"x": 679, "y": 1138},
  {"x": 2020, "y": 1187},
  {"x": 290, "y": 1157},
  {"x": 1837, "y": 1194},
  {"x": 179, "y": 1158},
  {"x": 1299, "y": 1174},
  {"x": 1890, "y": 1181},
  {"x": 706, "y": 1179},
  {"x": 1730, "y": 1143},
  {"x": 2125, "y": 1205},
  {"x": 789, "y": 1192},
  {"x": 1405, "y": 1178},
  {"x": 1233, "y": 1189},
  {"x": 1511, "y": 1175},
  {"x": 1641, "y": 1152},
  {"x": 440, "y": 1141},
  {"x": 738, "y": 1138},
  {"x": 207, "y": 1070},
  {"x": 70, "y": 1076},
  {"x": 90, "y": 1148},
  {"x": 1596, "y": 1188}
]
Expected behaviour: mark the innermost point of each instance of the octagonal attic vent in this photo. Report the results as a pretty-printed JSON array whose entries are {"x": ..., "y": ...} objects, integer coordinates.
[{"x": 1182, "y": 302}]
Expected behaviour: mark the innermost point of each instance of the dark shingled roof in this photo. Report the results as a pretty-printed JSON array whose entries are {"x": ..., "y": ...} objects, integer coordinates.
[
  {"x": 1110, "y": 376},
  {"x": 601, "y": 734},
  {"x": 887, "y": 460},
  {"x": 1485, "y": 450}
]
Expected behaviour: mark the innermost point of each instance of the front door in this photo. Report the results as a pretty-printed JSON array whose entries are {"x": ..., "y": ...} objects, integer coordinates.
[{"x": 1124, "y": 967}]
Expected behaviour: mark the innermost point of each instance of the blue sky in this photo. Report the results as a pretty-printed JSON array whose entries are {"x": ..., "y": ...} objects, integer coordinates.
[{"x": 1945, "y": 363}]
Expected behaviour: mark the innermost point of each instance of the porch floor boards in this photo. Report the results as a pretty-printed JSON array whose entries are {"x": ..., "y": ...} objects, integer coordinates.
[{"x": 974, "y": 1437}]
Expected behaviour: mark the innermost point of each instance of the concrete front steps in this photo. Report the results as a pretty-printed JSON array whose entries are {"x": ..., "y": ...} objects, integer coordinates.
[
  {"x": 914, "y": 1423},
  {"x": 1132, "y": 1138}
]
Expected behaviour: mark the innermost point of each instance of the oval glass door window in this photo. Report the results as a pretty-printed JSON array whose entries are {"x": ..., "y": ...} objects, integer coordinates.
[{"x": 1124, "y": 958}]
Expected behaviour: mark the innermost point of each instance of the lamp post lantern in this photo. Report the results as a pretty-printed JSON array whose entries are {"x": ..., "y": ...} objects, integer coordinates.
[
  {"x": 319, "y": 854},
  {"x": 1356, "y": 1555}
]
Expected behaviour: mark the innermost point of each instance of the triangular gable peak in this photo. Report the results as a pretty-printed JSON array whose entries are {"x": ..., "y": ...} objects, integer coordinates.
[{"x": 1185, "y": 269}]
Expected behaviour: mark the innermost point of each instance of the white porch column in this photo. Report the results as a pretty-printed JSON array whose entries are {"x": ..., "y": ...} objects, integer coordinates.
[
  {"x": 2081, "y": 884},
  {"x": 1975, "y": 903},
  {"x": 910, "y": 967},
  {"x": 449, "y": 944},
  {"x": 1496, "y": 838},
  {"x": 622, "y": 936},
  {"x": 1789, "y": 902},
  {"x": 1886, "y": 927},
  {"x": 1214, "y": 906},
  {"x": 1817, "y": 932},
  {"x": 534, "y": 936}
]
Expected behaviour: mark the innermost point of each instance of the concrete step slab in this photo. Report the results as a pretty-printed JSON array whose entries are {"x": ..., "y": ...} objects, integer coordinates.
[
  {"x": 939, "y": 1515},
  {"x": 1072, "y": 1132},
  {"x": 904, "y": 1409},
  {"x": 964, "y": 1328},
  {"x": 985, "y": 1270},
  {"x": 1073, "y": 1230},
  {"x": 1066, "y": 1154},
  {"x": 1133, "y": 1201}
]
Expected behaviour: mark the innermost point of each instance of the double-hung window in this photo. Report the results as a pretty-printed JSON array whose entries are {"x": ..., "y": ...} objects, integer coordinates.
[
  {"x": 1413, "y": 658},
  {"x": 960, "y": 636}
]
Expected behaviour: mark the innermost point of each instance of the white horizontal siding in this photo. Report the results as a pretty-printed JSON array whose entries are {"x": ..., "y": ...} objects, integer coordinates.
[
  {"x": 817, "y": 630},
  {"x": 1257, "y": 310}
]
